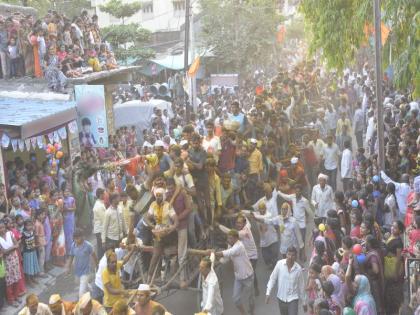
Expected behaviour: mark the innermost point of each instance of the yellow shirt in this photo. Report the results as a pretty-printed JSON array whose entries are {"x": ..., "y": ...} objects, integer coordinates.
[
  {"x": 340, "y": 126},
  {"x": 255, "y": 162},
  {"x": 115, "y": 281}
]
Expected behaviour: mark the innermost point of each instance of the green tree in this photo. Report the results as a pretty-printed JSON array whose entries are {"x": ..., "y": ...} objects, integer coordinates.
[
  {"x": 241, "y": 34},
  {"x": 337, "y": 28},
  {"x": 119, "y": 9},
  {"x": 127, "y": 39}
]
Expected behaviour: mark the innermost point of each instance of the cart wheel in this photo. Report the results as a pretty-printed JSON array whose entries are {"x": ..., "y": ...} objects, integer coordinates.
[{"x": 199, "y": 293}]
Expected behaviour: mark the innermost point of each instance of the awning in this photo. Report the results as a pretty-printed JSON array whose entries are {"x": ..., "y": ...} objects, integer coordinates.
[{"x": 25, "y": 118}]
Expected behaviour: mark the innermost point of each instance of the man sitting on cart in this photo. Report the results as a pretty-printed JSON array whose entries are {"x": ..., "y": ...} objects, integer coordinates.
[{"x": 163, "y": 222}]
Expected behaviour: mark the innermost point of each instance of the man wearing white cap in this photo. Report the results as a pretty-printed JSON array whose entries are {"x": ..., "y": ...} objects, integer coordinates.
[
  {"x": 322, "y": 197},
  {"x": 145, "y": 305},
  {"x": 58, "y": 306},
  {"x": 88, "y": 306}
]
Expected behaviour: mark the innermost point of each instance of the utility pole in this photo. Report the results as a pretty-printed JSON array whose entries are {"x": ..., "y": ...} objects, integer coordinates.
[
  {"x": 186, "y": 46},
  {"x": 378, "y": 73}
]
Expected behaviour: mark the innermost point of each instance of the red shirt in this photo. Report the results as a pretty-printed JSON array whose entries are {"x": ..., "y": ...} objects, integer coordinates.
[
  {"x": 355, "y": 232},
  {"x": 227, "y": 156}
]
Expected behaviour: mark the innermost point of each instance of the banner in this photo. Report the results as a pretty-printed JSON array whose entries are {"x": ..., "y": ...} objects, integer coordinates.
[{"x": 93, "y": 130}]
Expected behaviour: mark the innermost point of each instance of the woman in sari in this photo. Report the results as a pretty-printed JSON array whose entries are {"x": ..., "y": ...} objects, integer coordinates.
[
  {"x": 394, "y": 269},
  {"x": 375, "y": 272},
  {"x": 33, "y": 38},
  {"x": 363, "y": 301},
  {"x": 53, "y": 74},
  {"x": 8, "y": 247},
  {"x": 27, "y": 51},
  {"x": 55, "y": 209},
  {"x": 12, "y": 226}
]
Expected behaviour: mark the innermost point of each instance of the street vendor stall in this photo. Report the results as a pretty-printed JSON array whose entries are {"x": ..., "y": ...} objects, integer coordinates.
[{"x": 37, "y": 128}]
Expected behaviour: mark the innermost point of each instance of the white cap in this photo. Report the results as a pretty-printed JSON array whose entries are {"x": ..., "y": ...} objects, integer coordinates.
[
  {"x": 254, "y": 141},
  {"x": 183, "y": 142},
  {"x": 294, "y": 160},
  {"x": 159, "y": 143},
  {"x": 143, "y": 287},
  {"x": 147, "y": 144},
  {"x": 55, "y": 298}
]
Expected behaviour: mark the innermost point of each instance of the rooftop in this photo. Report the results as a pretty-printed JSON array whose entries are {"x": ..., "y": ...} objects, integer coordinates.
[{"x": 26, "y": 118}]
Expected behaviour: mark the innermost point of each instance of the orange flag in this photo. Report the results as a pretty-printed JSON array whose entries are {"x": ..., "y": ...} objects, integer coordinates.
[
  {"x": 281, "y": 33},
  {"x": 369, "y": 31},
  {"x": 384, "y": 33},
  {"x": 192, "y": 71}
]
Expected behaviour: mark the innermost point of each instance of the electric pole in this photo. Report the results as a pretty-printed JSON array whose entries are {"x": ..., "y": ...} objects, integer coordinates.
[
  {"x": 186, "y": 45},
  {"x": 378, "y": 73}
]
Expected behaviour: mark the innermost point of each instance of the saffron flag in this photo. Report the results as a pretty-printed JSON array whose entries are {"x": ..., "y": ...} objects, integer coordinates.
[
  {"x": 369, "y": 31},
  {"x": 281, "y": 33},
  {"x": 192, "y": 71}
]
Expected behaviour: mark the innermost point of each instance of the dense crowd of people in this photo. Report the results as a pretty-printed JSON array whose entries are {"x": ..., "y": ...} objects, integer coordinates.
[
  {"x": 53, "y": 47},
  {"x": 250, "y": 169}
]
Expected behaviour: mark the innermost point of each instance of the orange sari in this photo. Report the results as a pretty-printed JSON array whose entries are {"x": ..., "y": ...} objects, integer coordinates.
[{"x": 37, "y": 63}]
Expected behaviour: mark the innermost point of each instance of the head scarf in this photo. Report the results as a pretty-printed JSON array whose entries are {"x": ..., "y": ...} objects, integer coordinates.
[
  {"x": 363, "y": 301},
  {"x": 336, "y": 296},
  {"x": 289, "y": 210}
]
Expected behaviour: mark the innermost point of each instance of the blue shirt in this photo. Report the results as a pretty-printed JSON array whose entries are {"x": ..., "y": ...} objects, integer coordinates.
[{"x": 81, "y": 256}]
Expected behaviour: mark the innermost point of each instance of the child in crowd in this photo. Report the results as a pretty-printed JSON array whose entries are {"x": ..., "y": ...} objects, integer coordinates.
[
  {"x": 30, "y": 258},
  {"x": 69, "y": 219},
  {"x": 14, "y": 57},
  {"x": 40, "y": 241},
  {"x": 81, "y": 253},
  {"x": 313, "y": 286}
]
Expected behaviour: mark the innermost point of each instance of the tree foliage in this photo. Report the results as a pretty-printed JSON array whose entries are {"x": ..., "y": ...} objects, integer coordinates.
[
  {"x": 127, "y": 39},
  {"x": 119, "y": 9},
  {"x": 240, "y": 34},
  {"x": 337, "y": 28}
]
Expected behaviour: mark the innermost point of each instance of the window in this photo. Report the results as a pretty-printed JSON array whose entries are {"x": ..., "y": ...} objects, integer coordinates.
[
  {"x": 147, "y": 7},
  {"x": 179, "y": 5}
]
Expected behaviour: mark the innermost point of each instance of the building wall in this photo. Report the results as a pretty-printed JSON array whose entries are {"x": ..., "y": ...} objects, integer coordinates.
[{"x": 156, "y": 15}]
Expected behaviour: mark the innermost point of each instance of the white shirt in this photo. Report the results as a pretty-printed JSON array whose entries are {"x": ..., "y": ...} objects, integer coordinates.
[
  {"x": 98, "y": 216},
  {"x": 346, "y": 162},
  {"x": 242, "y": 267},
  {"x": 290, "y": 284},
  {"x": 246, "y": 237},
  {"x": 323, "y": 200},
  {"x": 370, "y": 129},
  {"x": 268, "y": 234},
  {"x": 331, "y": 120},
  {"x": 330, "y": 155},
  {"x": 401, "y": 192},
  {"x": 270, "y": 204},
  {"x": 114, "y": 226},
  {"x": 212, "y": 299},
  {"x": 212, "y": 146},
  {"x": 300, "y": 208},
  {"x": 289, "y": 234}
]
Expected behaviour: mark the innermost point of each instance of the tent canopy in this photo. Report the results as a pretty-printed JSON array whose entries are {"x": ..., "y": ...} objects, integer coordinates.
[
  {"x": 139, "y": 114},
  {"x": 26, "y": 118}
]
